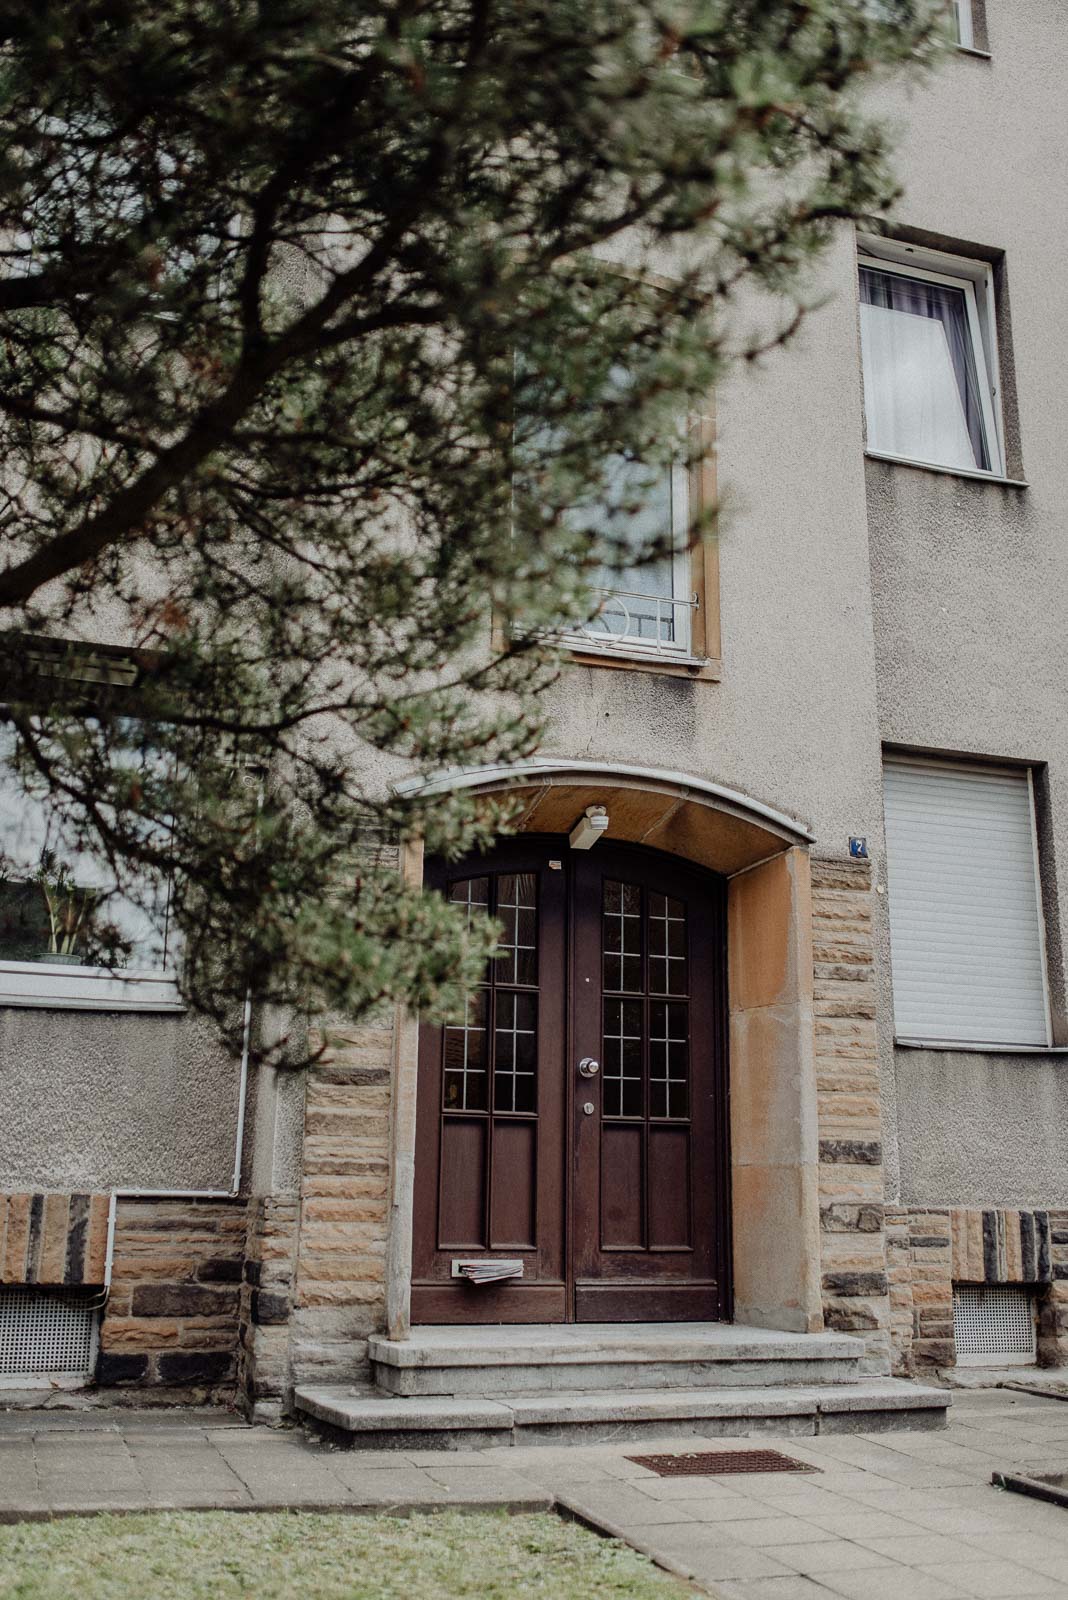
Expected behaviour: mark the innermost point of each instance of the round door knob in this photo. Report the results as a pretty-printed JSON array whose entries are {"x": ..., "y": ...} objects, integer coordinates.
[
  {"x": 588, "y": 1067},
  {"x": 588, "y": 1108}
]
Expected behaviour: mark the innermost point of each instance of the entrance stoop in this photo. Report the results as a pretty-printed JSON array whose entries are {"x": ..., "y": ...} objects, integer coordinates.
[{"x": 469, "y": 1388}]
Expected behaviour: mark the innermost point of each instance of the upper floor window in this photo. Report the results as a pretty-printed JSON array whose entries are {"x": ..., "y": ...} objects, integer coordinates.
[
  {"x": 645, "y": 609},
  {"x": 68, "y": 936},
  {"x": 962, "y": 23},
  {"x": 966, "y": 928},
  {"x": 654, "y": 599},
  {"x": 929, "y": 355}
]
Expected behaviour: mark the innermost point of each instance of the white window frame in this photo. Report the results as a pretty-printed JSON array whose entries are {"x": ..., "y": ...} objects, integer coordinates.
[
  {"x": 988, "y": 769},
  {"x": 962, "y": 10},
  {"x": 683, "y": 602},
  {"x": 64, "y": 986},
  {"x": 976, "y": 279}
]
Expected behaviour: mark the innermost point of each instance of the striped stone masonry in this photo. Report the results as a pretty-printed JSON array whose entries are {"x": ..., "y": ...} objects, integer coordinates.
[
  {"x": 929, "y": 1250},
  {"x": 919, "y": 1247},
  {"x": 339, "y": 1295},
  {"x": 853, "y": 1254},
  {"x": 172, "y": 1314},
  {"x": 53, "y": 1238},
  {"x": 266, "y": 1305},
  {"x": 1001, "y": 1246}
]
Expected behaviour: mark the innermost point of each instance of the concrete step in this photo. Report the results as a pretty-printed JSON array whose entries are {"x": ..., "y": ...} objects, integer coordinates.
[
  {"x": 499, "y": 1360},
  {"x": 367, "y": 1419}
]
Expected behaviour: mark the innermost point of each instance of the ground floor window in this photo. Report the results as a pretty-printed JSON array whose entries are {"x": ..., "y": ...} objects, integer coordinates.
[{"x": 966, "y": 928}]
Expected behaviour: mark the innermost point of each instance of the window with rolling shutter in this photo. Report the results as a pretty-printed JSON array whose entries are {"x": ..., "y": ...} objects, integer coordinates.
[{"x": 966, "y": 934}]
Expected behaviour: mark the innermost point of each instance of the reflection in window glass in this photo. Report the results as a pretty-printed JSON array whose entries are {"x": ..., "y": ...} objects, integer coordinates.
[
  {"x": 517, "y": 911},
  {"x": 58, "y": 905},
  {"x": 667, "y": 945},
  {"x": 621, "y": 1093},
  {"x": 515, "y": 1052},
  {"x": 622, "y": 931},
  {"x": 669, "y": 1060},
  {"x": 465, "y": 1057}
]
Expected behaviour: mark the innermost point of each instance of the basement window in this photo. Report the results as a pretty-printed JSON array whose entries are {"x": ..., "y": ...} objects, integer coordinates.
[
  {"x": 47, "y": 1333},
  {"x": 994, "y": 1327}
]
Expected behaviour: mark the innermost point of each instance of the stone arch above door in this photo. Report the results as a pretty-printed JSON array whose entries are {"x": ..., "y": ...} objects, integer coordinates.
[
  {"x": 705, "y": 822},
  {"x": 763, "y": 853}
]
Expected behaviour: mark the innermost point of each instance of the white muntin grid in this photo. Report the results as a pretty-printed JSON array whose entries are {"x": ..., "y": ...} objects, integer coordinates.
[
  {"x": 51, "y": 1331},
  {"x": 994, "y": 1326}
]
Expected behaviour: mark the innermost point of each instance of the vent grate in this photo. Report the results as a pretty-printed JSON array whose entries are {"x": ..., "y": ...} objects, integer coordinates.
[
  {"x": 993, "y": 1325},
  {"x": 705, "y": 1464},
  {"x": 47, "y": 1330}
]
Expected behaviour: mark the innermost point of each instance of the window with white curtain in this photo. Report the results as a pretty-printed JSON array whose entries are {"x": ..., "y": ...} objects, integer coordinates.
[
  {"x": 927, "y": 346},
  {"x": 966, "y": 931},
  {"x": 962, "y": 23}
]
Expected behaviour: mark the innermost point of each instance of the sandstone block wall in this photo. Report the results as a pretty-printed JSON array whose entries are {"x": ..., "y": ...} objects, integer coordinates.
[
  {"x": 853, "y": 1251},
  {"x": 171, "y": 1319},
  {"x": 931, "y": 1249},
  {"x": 339, "y": 1291},
  {"x": 266, "y": 1306}
]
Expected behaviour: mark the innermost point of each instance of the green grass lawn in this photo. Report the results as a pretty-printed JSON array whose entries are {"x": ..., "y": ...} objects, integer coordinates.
[{"x": 221, "y": 1555}]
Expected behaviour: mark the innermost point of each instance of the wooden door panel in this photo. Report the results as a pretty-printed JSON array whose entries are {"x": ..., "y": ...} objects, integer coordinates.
[
  {"x": 622, "y": 1185},
  {"x": 461, "y": 1214},
  {"x": 490, "y": 1115},
  {"x": 670, "y": 1189},
  {"x": 606, "y": 1301},
  {"x": 513, "y": 1212},
  {"x": 616, "y": 954},
  {"x": 650, "y": 1230}
]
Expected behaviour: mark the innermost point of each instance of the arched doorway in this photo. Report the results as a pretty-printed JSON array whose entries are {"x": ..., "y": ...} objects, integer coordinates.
[
  {"x": 573, "y": 1129},
  {"x": 762, "y": 854}
]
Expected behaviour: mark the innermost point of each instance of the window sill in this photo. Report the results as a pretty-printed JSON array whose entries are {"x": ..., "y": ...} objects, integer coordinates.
[
  {"x": 61, "y": 988},
  {"x": 983, "y": 1049},
  {"x": 970, "y": 50},
  {"x": 703, "y": 668},
  {"x": 951, "y": 472}
]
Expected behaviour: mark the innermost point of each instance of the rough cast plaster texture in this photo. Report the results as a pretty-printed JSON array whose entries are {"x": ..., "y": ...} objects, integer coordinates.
[
  {"x": 970, "y": 588},
  {"x": 793, "y": 721},
  {"x": 982, "y": 1130},
  {"x": 93, "y": 1100}
]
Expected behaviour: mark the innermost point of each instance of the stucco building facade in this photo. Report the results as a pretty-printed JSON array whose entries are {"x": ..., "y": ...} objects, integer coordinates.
[{"x": 879, "y": 600}]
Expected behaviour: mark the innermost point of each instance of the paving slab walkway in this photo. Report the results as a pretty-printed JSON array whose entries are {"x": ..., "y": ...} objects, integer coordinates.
[{"x": 905, "y": 1516}]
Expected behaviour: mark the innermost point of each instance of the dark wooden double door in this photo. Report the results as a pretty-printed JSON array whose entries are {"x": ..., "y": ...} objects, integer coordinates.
[{"x": 576, "y": 1119}]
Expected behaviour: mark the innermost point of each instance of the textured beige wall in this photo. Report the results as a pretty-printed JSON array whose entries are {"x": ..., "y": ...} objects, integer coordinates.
[
  {"x": 102, "y": 1100},
  {"x": 970, "y": 587}
]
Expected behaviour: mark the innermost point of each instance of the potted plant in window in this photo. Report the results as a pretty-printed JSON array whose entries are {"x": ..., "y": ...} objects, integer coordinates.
[{"x": 70, "y": 909}]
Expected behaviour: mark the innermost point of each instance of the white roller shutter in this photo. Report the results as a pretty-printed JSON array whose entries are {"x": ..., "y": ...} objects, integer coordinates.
[{"x": 965, "y": 912}]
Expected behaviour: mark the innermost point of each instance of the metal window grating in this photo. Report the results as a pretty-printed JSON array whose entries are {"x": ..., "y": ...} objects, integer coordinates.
[
  {"x": 993, "y": 1326},
  {"x": 47, "y": 1330},
  {"x": 694, "y": 1464}
]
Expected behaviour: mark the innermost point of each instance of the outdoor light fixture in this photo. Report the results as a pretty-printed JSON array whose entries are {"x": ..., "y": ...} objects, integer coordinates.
[{"x": 589, "y": 828}]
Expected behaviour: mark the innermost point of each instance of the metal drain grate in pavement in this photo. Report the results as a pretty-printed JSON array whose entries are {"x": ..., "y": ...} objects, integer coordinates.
[{"x": 704, "y": 1464}]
